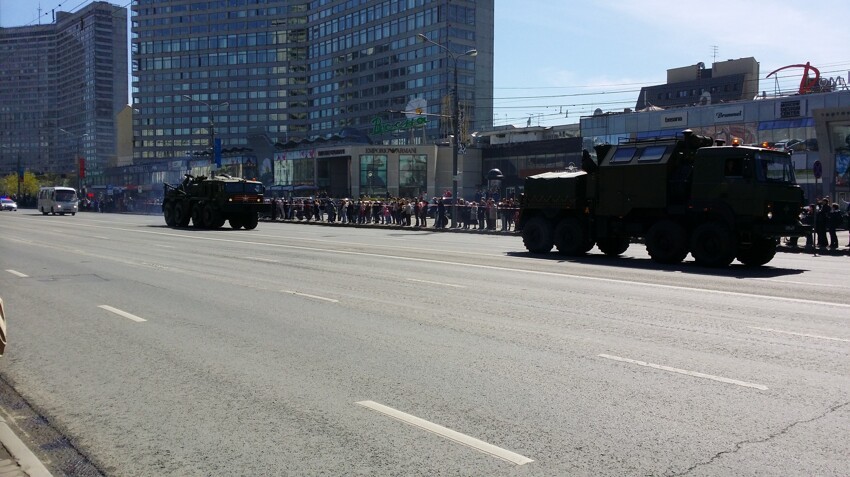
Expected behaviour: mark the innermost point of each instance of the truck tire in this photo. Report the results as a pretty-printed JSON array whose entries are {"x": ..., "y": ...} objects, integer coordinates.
[
  {"x": 613, "y": 245},
  {"x": 197, "y": 216},
  {"x": 571, "y": 238},
  {"x": 667, "y": 242},
  {"x": 181, "y": 214},
  {"x": 761, "y": 251},
  {"x": 210, "y": 217},
  {"x": 713, "y": 245},
  {"x": 235, "y": 223},
  {"x": 537, "y": 235},
  {"x": 250, "y": 221},
  {"x": 168, "y": 212}
]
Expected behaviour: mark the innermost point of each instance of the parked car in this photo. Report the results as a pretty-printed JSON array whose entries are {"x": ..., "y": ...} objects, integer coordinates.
[{"x": 8, "y": 204}]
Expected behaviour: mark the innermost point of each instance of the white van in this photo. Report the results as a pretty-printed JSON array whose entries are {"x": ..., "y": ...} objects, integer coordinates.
[{"x": 57, "y": 200}]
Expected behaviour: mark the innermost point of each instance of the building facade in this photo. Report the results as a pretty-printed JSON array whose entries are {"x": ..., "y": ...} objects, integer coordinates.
[
  {"x": 220, "y": 71},
  {"x": 61, "y": 85}
]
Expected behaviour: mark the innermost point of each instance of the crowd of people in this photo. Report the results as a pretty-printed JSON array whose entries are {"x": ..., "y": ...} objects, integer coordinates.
[
  {"x": 484, "y": 214},
  {"x": 825, "y": 217}
]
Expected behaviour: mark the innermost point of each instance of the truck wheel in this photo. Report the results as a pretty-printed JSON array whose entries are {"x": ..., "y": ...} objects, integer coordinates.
[
  {"x": 235, "y": 223},
  {"x": 197, "y": 217},
  {"x": 209, "y": 217},
  {"x": 667, "y": 242},
  {"x": 181, "y": 215},
  {"x": 712, "y": 245},
  {"x": 537, "y": 235},
  {"x": 250, "y": 221},
  {"x": 168, "y": 212},
  {"x": 614, "y": 245},
  {"x": 761, "y": 251},
  {"x": 571, "y": 238}
]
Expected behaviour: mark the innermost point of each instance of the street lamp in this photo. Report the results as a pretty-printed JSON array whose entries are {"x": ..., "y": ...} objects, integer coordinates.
[
  {"x": 210, "y": 112},
  {"x": 80, "y": 166},
  {"x": 455, "y": 118}
]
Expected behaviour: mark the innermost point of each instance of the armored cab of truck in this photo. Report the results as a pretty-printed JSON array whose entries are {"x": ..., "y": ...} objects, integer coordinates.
[
  {"x": 680, "y": 195},
  {"x": 209, "y": 202}
]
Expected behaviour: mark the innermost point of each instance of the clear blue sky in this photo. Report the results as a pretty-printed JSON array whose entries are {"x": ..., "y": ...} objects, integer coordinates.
[{"x": 554, "y": 57}]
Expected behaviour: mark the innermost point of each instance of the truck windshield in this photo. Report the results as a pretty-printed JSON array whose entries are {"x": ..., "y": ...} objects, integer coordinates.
[
  {"x": 774, "y": 167},
  {"x": 243, "y": 188}
]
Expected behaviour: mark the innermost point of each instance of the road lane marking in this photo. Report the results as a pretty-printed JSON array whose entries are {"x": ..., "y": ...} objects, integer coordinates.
[
  {"x": 447, "y": 433},
  {"x": 436, "y": 283},
  {"x": 685, "y": 372},
  {"x": 259, "y": 259},
  {"x": 18, "y": 274},
  {"x": 807, "y": 335},
  {"x": 307, "y": 295},
  {"x": 129, "y": 316}
]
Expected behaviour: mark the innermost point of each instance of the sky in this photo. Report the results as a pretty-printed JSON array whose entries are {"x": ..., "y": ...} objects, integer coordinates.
[{"x": 556, "y": 60}]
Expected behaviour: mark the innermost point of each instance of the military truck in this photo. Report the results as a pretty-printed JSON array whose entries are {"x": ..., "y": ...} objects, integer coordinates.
[
  {"x": 682, "y": 194},
  {"x": 209, "y": 202}
]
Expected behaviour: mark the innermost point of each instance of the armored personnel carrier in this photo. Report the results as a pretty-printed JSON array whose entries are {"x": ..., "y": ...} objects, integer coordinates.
[
  {"x": 680, "y": 195},
  {"x": 209, "y": 202}
]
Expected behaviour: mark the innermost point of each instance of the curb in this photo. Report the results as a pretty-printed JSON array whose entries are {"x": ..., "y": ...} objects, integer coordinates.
[{"x": 28, "y": 464}]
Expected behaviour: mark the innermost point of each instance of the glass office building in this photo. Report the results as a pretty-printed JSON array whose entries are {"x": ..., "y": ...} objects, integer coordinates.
[
  {"x": 219, "y": 71},
  {"x": 61, "y": 85}
]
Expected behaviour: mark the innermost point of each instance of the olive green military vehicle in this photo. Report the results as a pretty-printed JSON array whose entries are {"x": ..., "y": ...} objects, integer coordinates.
[
  {"x": 209, "y": 202},
  {"x": 679, "y": 195}
]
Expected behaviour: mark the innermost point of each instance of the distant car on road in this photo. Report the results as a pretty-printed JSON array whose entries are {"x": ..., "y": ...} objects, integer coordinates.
[{"x": 8, "y": 204}]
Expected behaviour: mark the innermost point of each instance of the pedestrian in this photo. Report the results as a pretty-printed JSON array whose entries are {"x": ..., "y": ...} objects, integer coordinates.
[
  {"x": 834, "y": 221},
  {"x": 441, "y": 214},
  {"x": 821, "y": 221}
]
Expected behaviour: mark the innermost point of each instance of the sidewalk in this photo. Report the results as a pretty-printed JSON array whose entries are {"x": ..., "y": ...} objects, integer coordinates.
[{"x": 16, "y": 459}]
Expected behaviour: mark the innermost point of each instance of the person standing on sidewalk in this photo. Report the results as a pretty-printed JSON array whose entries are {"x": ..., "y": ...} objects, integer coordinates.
[{"x": 835, "y": 220}]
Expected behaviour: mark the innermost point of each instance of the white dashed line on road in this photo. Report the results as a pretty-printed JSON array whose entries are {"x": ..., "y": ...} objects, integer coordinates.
[
  {"x": 118, "y": 312},
  {"x": 806, "y": 335},
  {"x": 685, "y": 372},
  {"x": 306, "y": 295},
  {"x": 18, "y": 274},
  {"x": 436, "y": 283},
  {"x": 447, "y": 433}
]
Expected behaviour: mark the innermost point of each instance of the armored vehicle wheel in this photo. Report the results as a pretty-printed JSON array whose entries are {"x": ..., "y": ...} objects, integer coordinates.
[
  {"x": 614, "y": 245},
  {"x": 181, "y": 215},
  {"x": 210, "y": 217},
  {"x": 761, "y": 251},
  {"x": 197, "y": 217},
  {"x": 537, "y": 235},
  {"x": 712, "y": 245},
  {"x": 219, "y": 222},
  {"x": 571, "y": 238},
  {"x": 667, "y": 242},
  {"x": 235, "y": 223},
  {"x": 250, "y": 221},
  {"x": 170, "y": 217},
  {"x": 43, "y": 212}
]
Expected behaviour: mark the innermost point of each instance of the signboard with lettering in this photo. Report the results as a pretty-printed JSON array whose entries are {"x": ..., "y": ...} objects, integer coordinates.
[
  {"x": 674, "y": 119},
  {"x": 729, "y": 114}
]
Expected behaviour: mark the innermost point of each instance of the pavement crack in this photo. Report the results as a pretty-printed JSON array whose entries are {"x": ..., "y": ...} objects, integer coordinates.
[{"x": 740, "y": 445}]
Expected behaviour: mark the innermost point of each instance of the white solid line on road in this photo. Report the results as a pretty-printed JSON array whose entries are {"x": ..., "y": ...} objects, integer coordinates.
[
  {"x": 18, "y": 274},
  {"x": 807, "y": 335},
  {"x": 686, "y": 372},
  {"x": 307, "y": 295},
  {"x": 449, "y": 434},
  {"x": 436, "y": 283},
  {"x": 129, "y": 316}
]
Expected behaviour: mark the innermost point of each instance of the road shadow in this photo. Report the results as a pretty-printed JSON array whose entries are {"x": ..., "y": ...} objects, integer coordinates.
[{"x": 688, "y": 266}]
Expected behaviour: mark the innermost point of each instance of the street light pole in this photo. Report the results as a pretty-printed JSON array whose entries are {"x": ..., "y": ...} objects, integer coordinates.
[
  {"x": 210, "y": 112},
  {"x": 80, "y": 170},
  {"x": 455, "y": 118}
]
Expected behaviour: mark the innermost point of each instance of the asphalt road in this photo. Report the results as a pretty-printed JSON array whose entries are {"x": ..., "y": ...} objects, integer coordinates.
[{"x": 312, "y": 350}]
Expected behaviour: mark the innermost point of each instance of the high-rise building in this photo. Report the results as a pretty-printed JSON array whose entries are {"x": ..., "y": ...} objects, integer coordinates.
[
  {"x": 61, "y": 85},
  {"x": 293, "y": 70}
]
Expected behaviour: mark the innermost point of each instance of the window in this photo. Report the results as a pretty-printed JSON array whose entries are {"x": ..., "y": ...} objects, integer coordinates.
[
  {"x": 652, "y": 153},
  {"x": 623, "y": 155}
]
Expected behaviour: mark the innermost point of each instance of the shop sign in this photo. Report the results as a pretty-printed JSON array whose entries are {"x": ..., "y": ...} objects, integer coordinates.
[
  {"x": 673, "y": 120},
  {"x": 380, "y": 127},
  {"x": 727, "y": 115}
]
